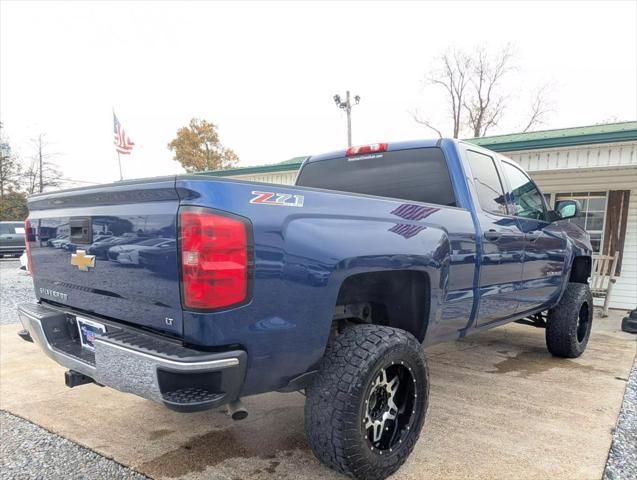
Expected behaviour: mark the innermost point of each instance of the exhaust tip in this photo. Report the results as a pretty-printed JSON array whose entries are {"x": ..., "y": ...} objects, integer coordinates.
[
  {"x": 237, "y": 410},
  {"x": 240, "y": 415}
]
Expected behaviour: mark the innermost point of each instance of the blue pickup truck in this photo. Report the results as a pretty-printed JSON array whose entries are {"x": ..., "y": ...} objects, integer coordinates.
[{"x": 332, "y": 286}]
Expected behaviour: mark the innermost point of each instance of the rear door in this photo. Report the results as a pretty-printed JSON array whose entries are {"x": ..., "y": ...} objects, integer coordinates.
[
  {"x": 72, "y": 236},
  {"x": 502, "y": 242},
  {"x": 544, "y": 243}
]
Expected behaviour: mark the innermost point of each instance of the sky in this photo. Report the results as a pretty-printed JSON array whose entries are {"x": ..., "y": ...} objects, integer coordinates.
[{"x": 265, "y": 73}]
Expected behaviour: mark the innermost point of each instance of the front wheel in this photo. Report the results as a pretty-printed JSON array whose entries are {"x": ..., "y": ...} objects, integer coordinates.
[
  {"x": 568, "y": 326},
  {"x": 367, "y": 405}
]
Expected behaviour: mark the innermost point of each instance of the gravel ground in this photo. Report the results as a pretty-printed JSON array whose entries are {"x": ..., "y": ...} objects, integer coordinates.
[
  {"x": 16, "y": 287},
  {"x": 622, "y": 458},
  {"x": 28, "y": 451}
]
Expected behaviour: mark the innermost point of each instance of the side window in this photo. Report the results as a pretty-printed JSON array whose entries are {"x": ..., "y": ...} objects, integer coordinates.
[
  {"x": 526, "y": 198},
  {"x": 487, "y": 181}
]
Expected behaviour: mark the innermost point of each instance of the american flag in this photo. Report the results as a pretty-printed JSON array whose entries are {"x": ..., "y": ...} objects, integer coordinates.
[{"x": 123, "y": 144}]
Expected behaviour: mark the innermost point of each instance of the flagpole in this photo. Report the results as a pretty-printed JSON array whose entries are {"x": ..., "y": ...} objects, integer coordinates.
[{"x": 119, "y": 160}]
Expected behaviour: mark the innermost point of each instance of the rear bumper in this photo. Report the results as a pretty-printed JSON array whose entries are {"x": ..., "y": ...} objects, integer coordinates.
[{"x": 138, "y": 362}]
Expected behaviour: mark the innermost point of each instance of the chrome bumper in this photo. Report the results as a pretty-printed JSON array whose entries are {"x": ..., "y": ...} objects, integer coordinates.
[{"x": 139, "y": 363}]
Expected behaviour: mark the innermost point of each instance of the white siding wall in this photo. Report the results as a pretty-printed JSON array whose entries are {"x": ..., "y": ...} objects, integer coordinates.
[
  {"x": 281, "y": 178},
  {"x": 584, "y": 156},
  {"x": 602, "y": 179}
]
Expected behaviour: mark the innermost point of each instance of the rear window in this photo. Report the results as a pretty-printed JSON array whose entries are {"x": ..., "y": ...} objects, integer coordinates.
[
  {"x": 418, "y": 175},
  {"x": 12, "y": 228}
]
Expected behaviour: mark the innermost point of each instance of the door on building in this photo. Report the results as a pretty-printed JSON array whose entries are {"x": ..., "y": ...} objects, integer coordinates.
[
  {"x": 544, "y": 243},
  {"x": 502, "y": 242}
]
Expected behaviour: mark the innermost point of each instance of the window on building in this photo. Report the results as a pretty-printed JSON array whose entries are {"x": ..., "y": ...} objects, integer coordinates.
[
  {"x": 487, "y": 181},
  {"x": 526, "y": 198},
  {"x": 593, "y": 214},
  {"x": 547, "y": 197}
]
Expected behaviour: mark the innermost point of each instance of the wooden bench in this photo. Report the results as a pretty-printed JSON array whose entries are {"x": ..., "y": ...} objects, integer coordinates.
[{"x": 603, "y": 278}]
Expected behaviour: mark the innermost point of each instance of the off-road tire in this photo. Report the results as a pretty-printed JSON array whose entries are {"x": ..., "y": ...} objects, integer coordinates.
[
  {"x": 335, "y": 408},
  {"x": 569, "y": 324}
]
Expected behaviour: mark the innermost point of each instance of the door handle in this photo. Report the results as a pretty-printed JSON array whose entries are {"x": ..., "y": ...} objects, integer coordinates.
[
  {"x": 492, "y": 234},
  {"x": 533, "y": 236}
]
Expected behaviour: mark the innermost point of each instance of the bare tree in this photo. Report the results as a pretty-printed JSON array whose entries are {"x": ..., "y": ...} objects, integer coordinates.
[
  {"x": 485, "y": 102},
  {"x": 475, "y": 89},
  {"x": 453, "y": 77},
  {"x": 41, "y": 172},
  {"x": 416, "y": 115},
  {"x": 540, "y": 108}
]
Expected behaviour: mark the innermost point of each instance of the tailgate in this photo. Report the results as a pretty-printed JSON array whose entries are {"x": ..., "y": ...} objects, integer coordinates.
[{"x": 110, "y": 251}]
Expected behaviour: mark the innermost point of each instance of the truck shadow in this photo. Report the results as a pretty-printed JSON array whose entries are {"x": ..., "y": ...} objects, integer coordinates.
[
  {"x": 527, "y": 363},
  {"x": 271, "y": 436}
]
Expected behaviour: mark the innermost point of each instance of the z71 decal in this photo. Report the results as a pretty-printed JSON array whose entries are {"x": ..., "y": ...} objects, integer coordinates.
[{"x": 279, "y": 199}]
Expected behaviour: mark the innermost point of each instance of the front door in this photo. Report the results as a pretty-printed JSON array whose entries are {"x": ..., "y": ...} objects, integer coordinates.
[
  {"x": 544, "y": 243},
  {"x": 502, "y": 243}
]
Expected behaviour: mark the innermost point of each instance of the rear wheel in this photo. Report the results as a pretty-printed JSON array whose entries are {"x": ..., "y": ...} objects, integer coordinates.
[
  {"x": 569, "y": 324},
  {"x": 365, "y": 409}
]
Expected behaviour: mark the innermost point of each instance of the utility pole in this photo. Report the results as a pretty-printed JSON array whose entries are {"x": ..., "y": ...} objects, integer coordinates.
[{"x": 347, "y": 106}]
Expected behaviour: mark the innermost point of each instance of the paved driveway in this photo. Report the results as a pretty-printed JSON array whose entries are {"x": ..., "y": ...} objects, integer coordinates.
[{"x": 501, "y": 407}]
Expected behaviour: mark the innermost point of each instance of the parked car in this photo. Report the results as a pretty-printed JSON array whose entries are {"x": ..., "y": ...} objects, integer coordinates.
[
  {"x": 331, "y": 286},
  {"x": 160, "y": 258},
  {"x": 24, "y": 262},
  {"x": 58, "y": 242},
  {"x": 130, "y": 254},
  {"x": 97, "y": 238},
  {"x": 11, "y": 238},
  {"x": 100, "y": 248}
]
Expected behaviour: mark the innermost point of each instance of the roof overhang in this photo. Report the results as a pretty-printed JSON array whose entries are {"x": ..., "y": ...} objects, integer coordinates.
[{"x": 567, "y": 137}]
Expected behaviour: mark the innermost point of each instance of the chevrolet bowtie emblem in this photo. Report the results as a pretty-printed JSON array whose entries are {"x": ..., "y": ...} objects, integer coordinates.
[{"x": 83, "y": 261}]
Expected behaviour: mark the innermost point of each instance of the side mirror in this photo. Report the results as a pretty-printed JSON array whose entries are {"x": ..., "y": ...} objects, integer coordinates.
[{"x": 568, "y": 208}]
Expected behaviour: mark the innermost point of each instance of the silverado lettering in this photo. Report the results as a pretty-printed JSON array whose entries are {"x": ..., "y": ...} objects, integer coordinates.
[{"x": 54, "y": 294}]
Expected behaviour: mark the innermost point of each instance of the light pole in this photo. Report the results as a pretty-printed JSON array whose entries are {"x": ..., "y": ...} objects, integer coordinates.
[{"x": 347, "y": 106}]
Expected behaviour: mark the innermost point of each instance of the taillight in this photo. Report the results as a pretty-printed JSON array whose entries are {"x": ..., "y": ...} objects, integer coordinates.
[
  {"x": 361, "y": 149},
  {"x": 27, "y": 240},
  {"x": 214, "y": 259}
]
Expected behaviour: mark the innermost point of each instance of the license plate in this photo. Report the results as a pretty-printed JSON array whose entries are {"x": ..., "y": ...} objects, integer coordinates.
[{"x": 88, "y": 331}]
